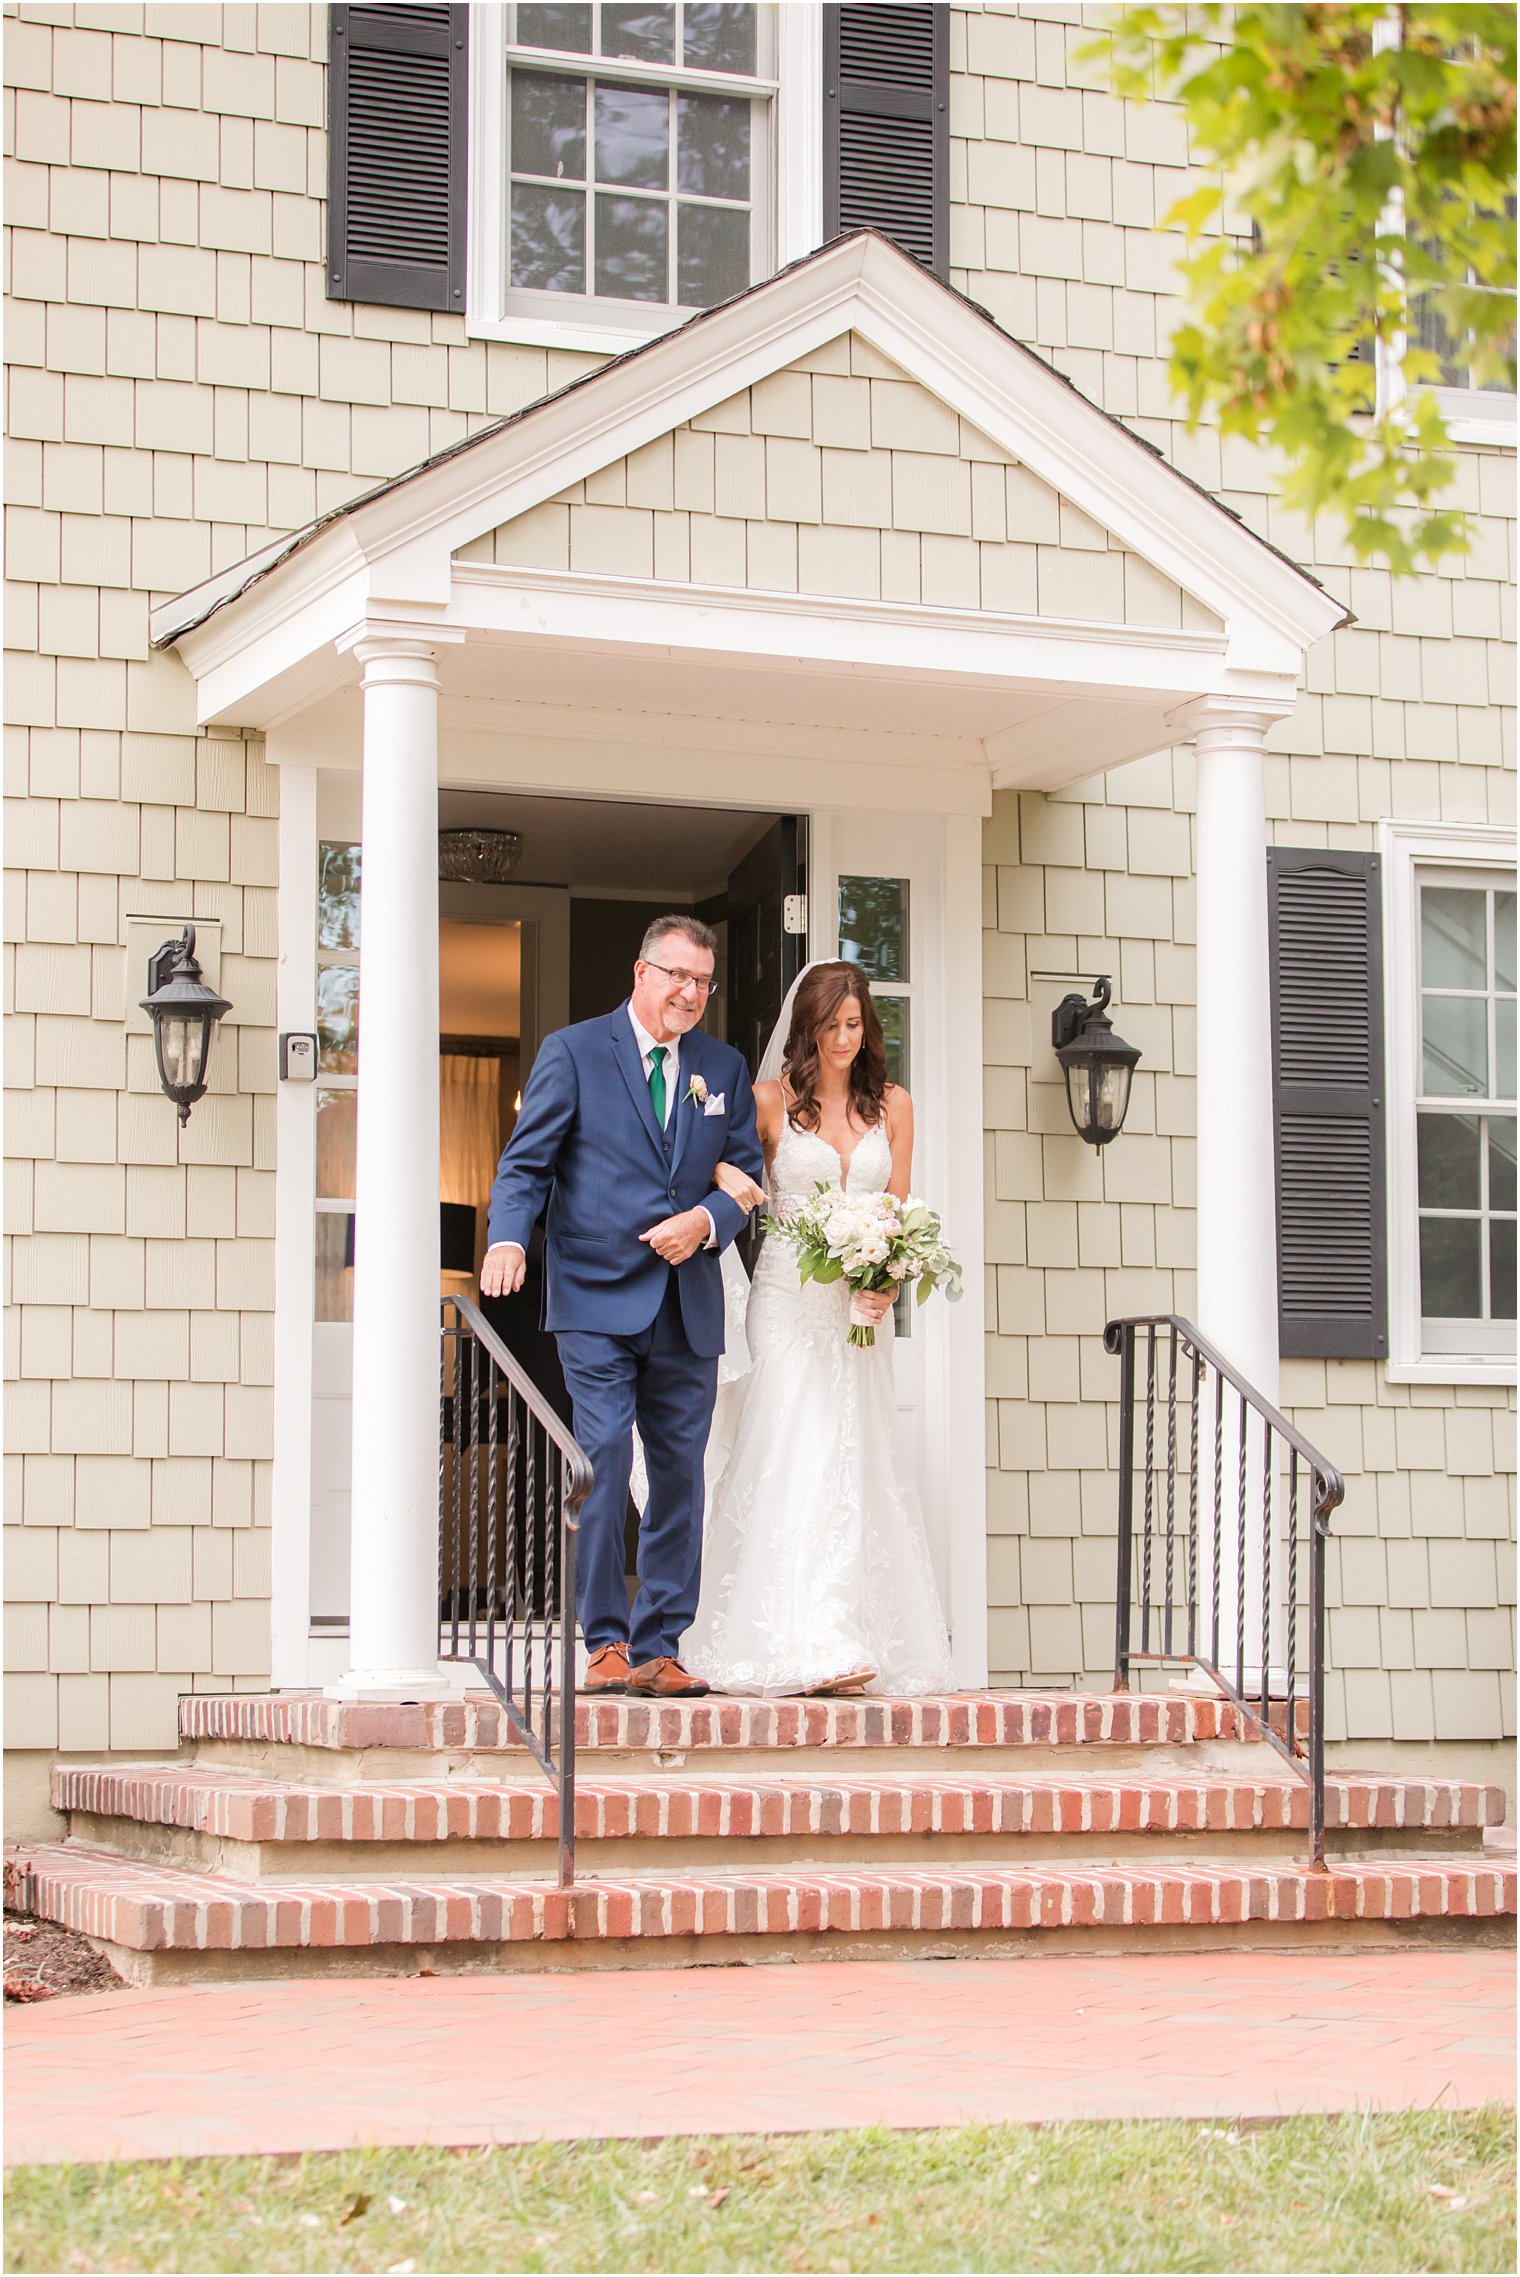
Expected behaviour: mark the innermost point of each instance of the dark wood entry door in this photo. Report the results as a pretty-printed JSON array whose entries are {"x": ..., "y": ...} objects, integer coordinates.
[{"x": 763, "y": 957}]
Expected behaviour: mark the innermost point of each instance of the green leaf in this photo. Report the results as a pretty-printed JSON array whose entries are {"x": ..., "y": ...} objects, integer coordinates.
[{"x": 1305, "y": 124}]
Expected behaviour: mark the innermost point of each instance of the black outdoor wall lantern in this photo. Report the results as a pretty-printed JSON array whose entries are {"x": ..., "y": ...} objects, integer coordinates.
[
  {"x": 1097, "y": 1064},
  {"x": 184, "y": 1012}
]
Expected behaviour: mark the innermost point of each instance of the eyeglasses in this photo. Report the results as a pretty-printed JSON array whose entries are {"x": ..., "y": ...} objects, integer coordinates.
[{"x": 684, "y": 979}]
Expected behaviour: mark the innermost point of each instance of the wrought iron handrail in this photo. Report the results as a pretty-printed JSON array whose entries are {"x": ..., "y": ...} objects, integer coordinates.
[
  {"x": 511, "y": 1482},
  {"x": 1169, "y": 1538}
]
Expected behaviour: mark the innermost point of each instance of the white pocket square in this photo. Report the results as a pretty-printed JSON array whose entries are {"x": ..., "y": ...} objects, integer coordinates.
[{"x": 716, "y": 1103}]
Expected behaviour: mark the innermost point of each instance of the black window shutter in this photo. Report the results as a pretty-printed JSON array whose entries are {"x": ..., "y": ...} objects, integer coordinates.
[
  {"x": 886, "y": 127},
  {"x": 1325, "y": 919},
  {"x": 396, "y": 152}
]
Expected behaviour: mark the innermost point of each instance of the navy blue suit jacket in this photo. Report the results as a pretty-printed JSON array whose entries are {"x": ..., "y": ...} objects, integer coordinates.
[{"x": 587, "y": 1141}]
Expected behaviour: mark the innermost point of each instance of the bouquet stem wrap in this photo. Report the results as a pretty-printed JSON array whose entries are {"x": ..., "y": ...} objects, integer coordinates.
[{"x": 862, "y": 1324}]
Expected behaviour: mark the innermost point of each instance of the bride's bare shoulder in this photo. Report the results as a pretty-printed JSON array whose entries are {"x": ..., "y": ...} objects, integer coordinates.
[
  {"x": 899, "y": 1104},
  {"x": 770, "y": 1105}
]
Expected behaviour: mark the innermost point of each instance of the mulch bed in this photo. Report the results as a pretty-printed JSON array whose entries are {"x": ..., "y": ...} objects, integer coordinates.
[{"x": 43, "y": 1961}]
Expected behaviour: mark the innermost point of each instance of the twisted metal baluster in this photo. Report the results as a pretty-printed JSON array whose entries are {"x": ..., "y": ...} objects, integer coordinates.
[
  {"x": 1267, "y": 1437},
  {"x": 493, "y": 1544},
  {"x": 1292, "y": 1597},
  {"x": 443, "y": 1442},
  {"x": 1192, "y": 1548},
  {"x": 1218, "y": 1503},
  {"x": 514, "y": 1462},
  {"x": 1240, "y": 1555},
  {"x": 1150, "y": 1489},
  {"x": 530, "y": 1516},
  {"x": 1171, "y": 1491},
  {"x": 553, "y": 1487},
  {"x": 474, "y": 1582},
  {"x": 458, "y": 1542}
]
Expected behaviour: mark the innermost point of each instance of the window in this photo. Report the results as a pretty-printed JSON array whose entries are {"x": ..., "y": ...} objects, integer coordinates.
[
  {"x": 1482, "y": 410},
  {"x": 1465, "y": 1153},
  {"x": 624, "y": 163},
  {"x": 874, "y": 934},
  {"x": 337, "y": 1075},
  {"x": 1452, "y": 996}
]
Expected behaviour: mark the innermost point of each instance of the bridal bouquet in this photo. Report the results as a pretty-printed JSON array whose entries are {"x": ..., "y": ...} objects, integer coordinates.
[{"x": 871, "y": 1241}]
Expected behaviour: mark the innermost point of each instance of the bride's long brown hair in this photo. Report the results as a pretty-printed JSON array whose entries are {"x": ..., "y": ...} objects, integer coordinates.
[{"x": 815, "y": 1004}]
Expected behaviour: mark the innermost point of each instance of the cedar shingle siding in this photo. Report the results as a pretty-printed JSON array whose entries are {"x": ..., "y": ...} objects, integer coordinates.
[{"x": 184, "y": 385}]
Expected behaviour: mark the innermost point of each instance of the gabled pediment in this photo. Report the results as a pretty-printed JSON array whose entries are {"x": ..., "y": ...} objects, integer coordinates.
[
  {"x": 844, "y": 478},
  {"x": 850, "y": 430}
]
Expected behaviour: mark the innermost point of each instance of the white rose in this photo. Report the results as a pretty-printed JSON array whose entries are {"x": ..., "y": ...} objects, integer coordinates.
[
  {"x": 838, "y": 1228},
  {"x": 873, "y": 1249}
]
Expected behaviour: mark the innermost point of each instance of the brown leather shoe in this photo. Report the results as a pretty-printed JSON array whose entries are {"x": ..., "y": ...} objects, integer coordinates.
[
  {"x": 607, "y": 1670},
  {"x": 665, "y": 1679}
]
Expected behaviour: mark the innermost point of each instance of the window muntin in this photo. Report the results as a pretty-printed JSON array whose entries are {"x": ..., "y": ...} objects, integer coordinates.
[
  {"x": 642, "y": 182},
  {"x": 1465, "y": 1111}
]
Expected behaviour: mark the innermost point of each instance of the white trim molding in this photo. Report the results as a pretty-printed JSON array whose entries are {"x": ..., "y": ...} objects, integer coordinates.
[{"x": 1407, "y": 847}]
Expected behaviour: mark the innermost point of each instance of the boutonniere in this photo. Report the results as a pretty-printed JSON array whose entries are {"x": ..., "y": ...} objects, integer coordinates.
[{"x": 696, "y": 1090}]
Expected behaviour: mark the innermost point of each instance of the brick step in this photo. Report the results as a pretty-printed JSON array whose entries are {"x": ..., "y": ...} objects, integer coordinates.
[
  {"x": 477, "y": 1724},
  {"x": 250, "y": 1825},
  {"x": 305, "y": 1736},
  {"x": 159, "y": 1923}
]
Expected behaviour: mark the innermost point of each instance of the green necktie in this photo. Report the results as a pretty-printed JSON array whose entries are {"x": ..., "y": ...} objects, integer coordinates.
[{"x": 657, "y": 1082}]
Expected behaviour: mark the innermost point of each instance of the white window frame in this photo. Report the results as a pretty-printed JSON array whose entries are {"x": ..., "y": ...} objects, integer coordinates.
[
  {"x": 1470, "y": 414},
  {"x": 1408, "y": 850},
  {"x": 790, "y": 183}
]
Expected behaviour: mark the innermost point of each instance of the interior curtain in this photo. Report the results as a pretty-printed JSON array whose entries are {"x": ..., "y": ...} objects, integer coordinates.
[{"x": 469, "y": 1094}]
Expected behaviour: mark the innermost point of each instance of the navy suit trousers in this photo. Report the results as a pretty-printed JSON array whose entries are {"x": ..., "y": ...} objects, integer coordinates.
[{"x": 654, "y": 1379}]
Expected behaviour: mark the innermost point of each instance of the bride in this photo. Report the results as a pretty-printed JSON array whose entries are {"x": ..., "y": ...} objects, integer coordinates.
[{"x": 815, "y": 1566}]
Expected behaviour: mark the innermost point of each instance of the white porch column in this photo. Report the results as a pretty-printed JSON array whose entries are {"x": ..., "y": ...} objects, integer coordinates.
[
  {"x": 393, "y": 1632},
  {"x": 1237, "y": 1194},
  {"x": 1237, "y": 1198}
]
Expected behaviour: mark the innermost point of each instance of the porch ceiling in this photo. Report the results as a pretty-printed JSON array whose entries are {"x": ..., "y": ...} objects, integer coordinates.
[{"x": 984, "y": 730}]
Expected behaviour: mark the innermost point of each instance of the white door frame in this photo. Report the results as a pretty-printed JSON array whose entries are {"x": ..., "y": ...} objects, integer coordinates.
[{"x": 843, "y": 812}]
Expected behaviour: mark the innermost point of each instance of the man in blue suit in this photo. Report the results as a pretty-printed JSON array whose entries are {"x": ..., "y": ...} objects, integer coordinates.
[{"x": 623, "y": 1122}]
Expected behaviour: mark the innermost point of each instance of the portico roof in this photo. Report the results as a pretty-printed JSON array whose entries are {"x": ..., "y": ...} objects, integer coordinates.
[{"x": 273, "y": 635}]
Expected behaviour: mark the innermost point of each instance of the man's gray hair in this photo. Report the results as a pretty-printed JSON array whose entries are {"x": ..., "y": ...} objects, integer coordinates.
[{"x": 690, "y": 929}]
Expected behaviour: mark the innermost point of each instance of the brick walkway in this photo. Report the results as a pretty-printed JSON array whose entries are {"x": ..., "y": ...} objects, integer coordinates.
[{"x": 284, "y": 2067}]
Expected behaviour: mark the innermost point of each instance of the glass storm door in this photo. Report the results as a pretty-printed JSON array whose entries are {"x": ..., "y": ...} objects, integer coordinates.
[{"x": 877, "y": 898}]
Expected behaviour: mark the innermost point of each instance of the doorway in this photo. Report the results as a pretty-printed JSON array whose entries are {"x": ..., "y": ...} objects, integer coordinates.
[{"x": 544, "y": 935}]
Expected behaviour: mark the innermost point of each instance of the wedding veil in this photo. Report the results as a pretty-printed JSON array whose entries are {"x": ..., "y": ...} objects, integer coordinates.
[{"x": 769, "y": 1070}]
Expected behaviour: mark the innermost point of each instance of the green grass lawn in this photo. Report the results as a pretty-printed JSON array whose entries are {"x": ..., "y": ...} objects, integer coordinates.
[{"x": 1409, "y": 2191}]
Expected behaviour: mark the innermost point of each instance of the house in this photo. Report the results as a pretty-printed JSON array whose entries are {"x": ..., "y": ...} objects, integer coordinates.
[{"x": 746, "y": 476}]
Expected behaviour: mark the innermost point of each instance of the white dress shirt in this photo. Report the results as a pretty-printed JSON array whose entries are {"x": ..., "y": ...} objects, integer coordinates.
[
  {"x": 646, "y": 1044},
  {"x": 672, "y": 1050}
]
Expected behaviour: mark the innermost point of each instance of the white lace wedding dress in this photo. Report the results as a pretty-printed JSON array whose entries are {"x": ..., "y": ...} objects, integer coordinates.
[{"x": 815, "y": 1560}]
